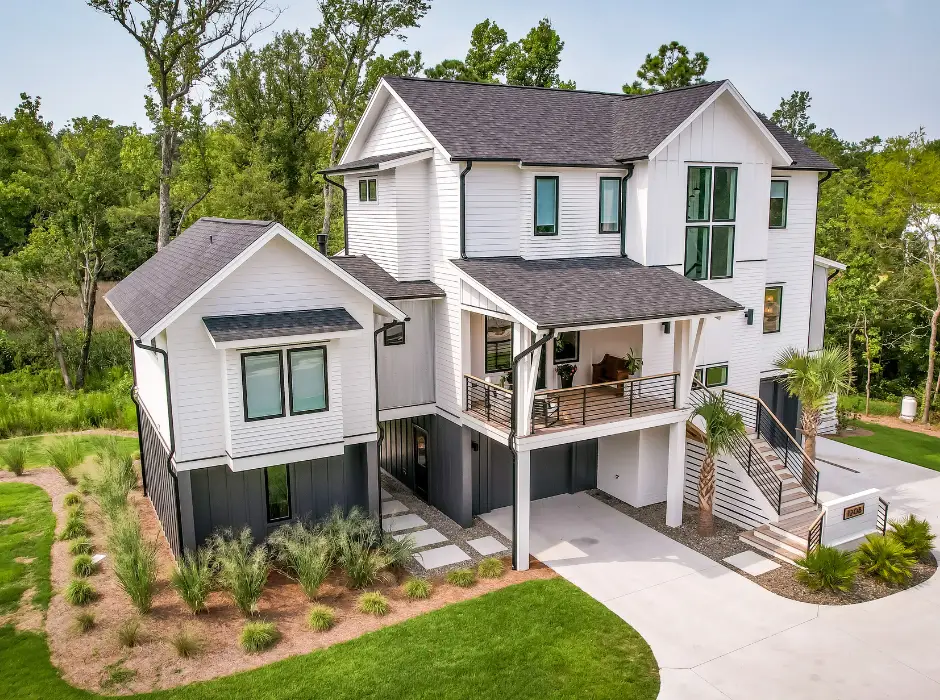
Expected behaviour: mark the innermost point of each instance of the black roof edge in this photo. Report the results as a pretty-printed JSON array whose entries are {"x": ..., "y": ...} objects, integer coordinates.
[{"x": 418, "y": 297}]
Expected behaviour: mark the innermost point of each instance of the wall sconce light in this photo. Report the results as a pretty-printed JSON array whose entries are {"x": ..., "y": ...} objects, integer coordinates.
[
  {"x": 666, "y": 327},
  {"x": 749, "y": 315}
]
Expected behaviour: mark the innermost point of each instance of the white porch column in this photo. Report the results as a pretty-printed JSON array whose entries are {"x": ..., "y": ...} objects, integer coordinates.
[
  {"x": 523, "y": 495},
  {"x": 679, "y": 363},
  {"x": 675, "y": 475}
]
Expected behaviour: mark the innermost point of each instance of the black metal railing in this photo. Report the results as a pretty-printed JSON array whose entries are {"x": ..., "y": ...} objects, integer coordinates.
[
  {"x": 759, "y": 418},
  {"x": 881, "y": 521},
  {"x": 814, "y": 537},
  {"x": 748, "y": 456},
  {"x": 598, "y": 403},
  {"x": 487, "y": 401}
]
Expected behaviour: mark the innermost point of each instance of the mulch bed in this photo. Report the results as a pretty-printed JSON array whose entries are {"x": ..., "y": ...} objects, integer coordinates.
[{"x": 781, "y": 581}]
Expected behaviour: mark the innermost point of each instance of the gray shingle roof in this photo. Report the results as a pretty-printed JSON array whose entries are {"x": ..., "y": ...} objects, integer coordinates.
[
  {"x": 372, "y": 162},
  {"x": 568, "y": 292},
  {"x": 168, "y": 278},
  {"x": 367, "y": 271},
  {"x": 804, "y": 157},
  {"x": 279, "y": 324}
]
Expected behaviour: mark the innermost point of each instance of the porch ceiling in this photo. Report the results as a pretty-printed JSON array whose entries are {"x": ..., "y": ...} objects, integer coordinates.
[{"x": 573, "y": 292}]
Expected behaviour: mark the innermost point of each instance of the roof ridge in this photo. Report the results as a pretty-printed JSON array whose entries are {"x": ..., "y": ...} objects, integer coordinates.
[{"x": 254, "y": 222}]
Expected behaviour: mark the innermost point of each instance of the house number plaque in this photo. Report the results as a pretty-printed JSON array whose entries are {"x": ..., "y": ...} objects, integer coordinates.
[{"x": 853, "y": 511}]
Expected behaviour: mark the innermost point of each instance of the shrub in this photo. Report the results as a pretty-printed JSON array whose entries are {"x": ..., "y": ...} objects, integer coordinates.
[
  {"x": 915, "y": 534},
  {"x": 242, "y": 567},
  {"x": 397, "y": 553},
  {"x": 304, "y": 555},
  {"x": 134, "y": 561},
  {"x": 75, "y": 526},
  {"x": 115, "y": 480},
  {"x": 461, "y": 577},
  {"x": 128, "y": 633},
  {"x": 258, "y": 636},
  {"x": 65, "y": 454},
  {"x": 321, "y": 618},
  {"x": 72, "y": 499},
  {"x": 827, "y": 568},
  {"x": 417, "y": 588},
  {"x": 491, "y": 567},
  {"x": 82, "y": 566},
  {"x": 186, "y": 644},
  {"x": 363, "y": 566},
  {"x": 362, "y": 549},
  {"x": 14, "y": 456},
  {"x": 192, "y": 579},
  {"x": 885, "y": 557},
  {"x": 84, "y": 621},
  {"x": 373, "y": 603},
  {"x": 79, "y": 592},
  {"x": 81, "y": 545}
]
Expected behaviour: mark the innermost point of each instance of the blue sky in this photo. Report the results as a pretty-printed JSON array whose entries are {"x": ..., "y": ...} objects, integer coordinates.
[{"x": 871, "y": 66}]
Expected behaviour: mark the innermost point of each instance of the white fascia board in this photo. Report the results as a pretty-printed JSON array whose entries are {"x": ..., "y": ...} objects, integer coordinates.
[
  {"x": 406, "y": 160},
  {"x": 376, "y": 101},
  {"x": 421, "y": 409},
  {"x": 665, "y": 319},
  {"x": 826, "y": 262},
  {"x": 590, "y": 432},
  {"x": 241, "y": 464},
  {"x": 517, "y": 315},
  {"x": 281, "y": 341}
]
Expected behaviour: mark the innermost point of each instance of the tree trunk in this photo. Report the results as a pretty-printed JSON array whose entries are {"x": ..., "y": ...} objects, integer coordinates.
[
  {"x": 338, "y": 130},
  {"x": 89, "y": 297},
  {"x": 868, "y": 367},
  {"x": 931, "y": 360},
  {"x": 706, "y": 496},
  {"x": 60, "y": 358},
  {"x": 166, "y": 171},
  {"x": 809, "y": 423}
]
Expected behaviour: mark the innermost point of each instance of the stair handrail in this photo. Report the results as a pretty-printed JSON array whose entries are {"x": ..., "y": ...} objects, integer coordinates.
[
  {"x": 758, "y": 469},
  {"x": 776, "y": 420},
  {"x": 814, "y": 536}
]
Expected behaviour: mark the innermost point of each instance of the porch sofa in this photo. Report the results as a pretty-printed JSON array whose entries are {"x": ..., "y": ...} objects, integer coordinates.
[{"x": 610, "y": 369}]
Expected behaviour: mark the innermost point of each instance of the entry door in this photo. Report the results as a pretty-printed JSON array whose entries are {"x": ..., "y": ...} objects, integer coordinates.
[
  {"x": 785, "y": 407},
  {"x": 421, "y": 462}
]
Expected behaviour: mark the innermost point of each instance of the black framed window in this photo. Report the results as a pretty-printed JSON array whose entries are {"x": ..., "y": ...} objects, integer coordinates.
[
  {"x": 368, "y": 190},
  {"x": 779, "y": 191},
  {"x": 546, "y": 205},
  {"x": 725, "y": 194},
  {"x": 567, "y": 347},
  {"x": 610, "y": 205},
  {"x": 277, "y": 492},
  {"x": 262, "y": 385},
  {"x": 773, "y": 306},
  {"x": 722, "y": 257},
  {"x": 696, "y": 252},
  {"x": 309, "y": 386},
  {"x": 699, "y": 191},
  {"x": 700, "y": 375},
  {"x": 395, "y": 335},
  {"x": 716, "y": 375},
  {"x": 712, "y": 193},
  {"x": 498, "y": 345}
]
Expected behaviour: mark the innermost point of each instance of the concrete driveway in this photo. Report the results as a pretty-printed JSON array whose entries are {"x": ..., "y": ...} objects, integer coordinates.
[{"x": 716, "y": 634}]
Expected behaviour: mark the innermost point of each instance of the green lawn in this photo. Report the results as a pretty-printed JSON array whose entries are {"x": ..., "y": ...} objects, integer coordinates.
[
  {"x": 541, "y": 639},
  {"x": 38, "y": 444},
  {"x": 906, "y": 445},
  {"x": 28, "y": 537}
]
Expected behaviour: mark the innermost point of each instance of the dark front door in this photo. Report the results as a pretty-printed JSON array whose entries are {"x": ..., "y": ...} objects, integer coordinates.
[
  {"x": 784, "y": 406},
  {"x": 421, "y": 462}
]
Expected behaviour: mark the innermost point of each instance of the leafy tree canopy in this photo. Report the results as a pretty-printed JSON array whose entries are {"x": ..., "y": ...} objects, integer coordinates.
[{"x": 671, "y": 67}]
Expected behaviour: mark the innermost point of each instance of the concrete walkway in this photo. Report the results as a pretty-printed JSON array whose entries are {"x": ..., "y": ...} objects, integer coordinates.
[{"x": 716, "y": 634}]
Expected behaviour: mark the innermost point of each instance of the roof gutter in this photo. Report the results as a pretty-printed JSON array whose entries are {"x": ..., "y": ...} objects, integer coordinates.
[
  {"x": 623, "y": 210},
  {"x": 345, "y": 212},
  {"x": 463, "y": 210},
  {"x": 512, "y": 436}
]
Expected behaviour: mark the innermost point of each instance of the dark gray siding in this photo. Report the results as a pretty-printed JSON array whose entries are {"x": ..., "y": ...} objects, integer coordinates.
[{"x": 160, "y": 482}]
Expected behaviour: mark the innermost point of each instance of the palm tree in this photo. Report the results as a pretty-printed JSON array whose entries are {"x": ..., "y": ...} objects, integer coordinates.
[
  {"x": 813, "y": 378},
  {"x": 722, "y": 427}
]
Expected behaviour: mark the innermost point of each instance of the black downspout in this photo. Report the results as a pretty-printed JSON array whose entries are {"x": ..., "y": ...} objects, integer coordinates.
[
  {"x": 345, "y": 213},
  {"x": 512, "y": 436},
  {"x": 378, "y": 427},
  {"x": 463, "y": 210},
  {"x": 623, "y": 209},
  {"x": 140, "y": 440},
  {"x": 825, "y": 177}
]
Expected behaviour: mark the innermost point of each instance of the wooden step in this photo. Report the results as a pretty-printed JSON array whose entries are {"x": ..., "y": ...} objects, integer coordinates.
[
  {"x": 790, "y": 495},
  {"x": 798, "y": 508},
  {"x": 767, "y": 548},
  {"x": 783, "y": 540}
]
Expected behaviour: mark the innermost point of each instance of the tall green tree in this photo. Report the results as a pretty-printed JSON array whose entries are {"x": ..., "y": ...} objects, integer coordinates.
[
  {"x": 182, "y": 41},
  {"x": 486, "y": 59},
  {"x": 535, "y": 58},
  {"x": 793, "y": 114},
  {"x": 668, "y": 68}
]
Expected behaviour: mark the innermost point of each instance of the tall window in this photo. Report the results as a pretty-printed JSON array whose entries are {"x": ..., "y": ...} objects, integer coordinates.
[
  {"x": 277, "y": 489},
  {"x": 778, "y": 203},
  {"x": 308, "y": 382},
  {"x": 263, "y": 388},
  {"x": 566, "y": 347},
  {"x": 368, "y": 190},
  {"x": 773, "y": 303},
  {"x": 609, "y": 205},
  {"x": 498, "y": 345},
  {"x": 546, "y": 206},
  {"x": 712, "y": 194}
]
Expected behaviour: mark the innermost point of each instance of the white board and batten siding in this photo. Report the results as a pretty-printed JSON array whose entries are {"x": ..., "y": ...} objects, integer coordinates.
[
  {"x": 278, "y": 277},
  {"x": 406, "y": 372},
  {"x": 151, "y": 385}
]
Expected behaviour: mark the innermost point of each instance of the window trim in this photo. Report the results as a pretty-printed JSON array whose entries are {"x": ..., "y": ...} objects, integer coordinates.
[
  {"x": 779, "y": 313},
  {"x": 326, "y": 380},
  {"x": 280, "y": 366},
  {"x": 487, "y": 343},
  {"x": 712, "y": 213},
  {"x": 786, "y": 202},
  {"x": 535, "y": 205},
  {"x": 267, "y": 500},
  {"x": 711, "y": 185},
  {"x": 396, "y": 324},
  {"x": 577, "y": 351},
  {"x": 365, "y": 181},
  {"x": 711, "y": 251},
  {"x": 600, "y": 205}
]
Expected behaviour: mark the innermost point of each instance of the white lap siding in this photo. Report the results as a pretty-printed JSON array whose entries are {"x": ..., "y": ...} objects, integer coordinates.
[
  {"x": 394, "y": 132},
  {"x": 406, "y": 372},
  {"x": 151, "y": 385}
]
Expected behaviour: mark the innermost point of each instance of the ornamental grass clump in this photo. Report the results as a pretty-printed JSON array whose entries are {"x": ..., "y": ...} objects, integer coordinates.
[
  {"x": 258, "y": 636},
  {"x": 84, "y": 621},
  {"x": 81, "y": 545},
  {"x": 65, "y": 454},
  {"x": 362, "y": 549},
  {"x": 464, "y": 578},
  {"x": 886, "y": 558},
  {"x": 75, "y": 526},
  {"x": 116, "y": 478},
  {"x": 129, "y": 633},
  {"x": 83, "y": 566},
  {"x": 134, "y": 560},
  {"x": 321, "y": 618},
  {"x": 14, "y": 457},
  {"x": 915, "y": 534},
  {"x": 491, "y": 567},
  {"x": 417, "y": 588},
  {"x": 242, "y": 567},
  {"x": 186, "y": 644},
  {"x": 72, "y": 499},
  {"x": 79, "y": 592},
  {"x": 827, "y": 568},
  {"x": 193, "y": 579},
  {"x": 303, "y": 554},
  {"x": 373, "y": 603}
]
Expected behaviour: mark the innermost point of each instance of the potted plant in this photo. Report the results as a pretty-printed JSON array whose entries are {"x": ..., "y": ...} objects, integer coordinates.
[
  {"x": 566, "y": 374},
  {"x": 632, "y": 363}
]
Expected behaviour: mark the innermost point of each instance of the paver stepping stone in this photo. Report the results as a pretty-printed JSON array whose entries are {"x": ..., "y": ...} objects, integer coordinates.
[
  {"x": 423, "y": 538},
  {"x": 403, "y": 522},
  {"x": 487, "y": 545},
  {"x": 393, "y": 507},
  {"x": 752, "y": 563},
  {"x": 441, "y": 556}
]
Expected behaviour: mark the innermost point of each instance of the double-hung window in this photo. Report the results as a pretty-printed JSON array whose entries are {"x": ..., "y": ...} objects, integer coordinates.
[
  {"x": 712, "y": 193},
  {"x": 263, "y": 385},
  {"x": 308, "y": 382},
  {"x": 498, "y": 345},
  {"x": 610, "y": 209},
  {"x": 546, "y": 205},
  {"x": 778, "y": 203},
  {"x": 368, "y": 190},
  {"x": 773, "y": 305}
]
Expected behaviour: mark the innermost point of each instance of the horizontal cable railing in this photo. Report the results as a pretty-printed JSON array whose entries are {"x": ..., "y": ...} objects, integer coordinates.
[
  {"x": 487, "y": 401},
  {"x": 749, "y": 457},
  {"x": 758, "y": 417},
  {"x": 597, "y": 403},
  {"x": 881, "y": 521}
]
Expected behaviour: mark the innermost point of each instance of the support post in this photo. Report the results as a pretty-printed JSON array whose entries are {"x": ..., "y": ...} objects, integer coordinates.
[
  {"x": 521, "y": 511},
  {"x": 372, "y": 476},
  {"x": 675, "y": 476}
]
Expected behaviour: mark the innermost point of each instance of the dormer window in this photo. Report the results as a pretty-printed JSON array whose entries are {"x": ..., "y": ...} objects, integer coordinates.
[
  {"x": 546, "y": 206},
  {"x": 368, "y": 190}
]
